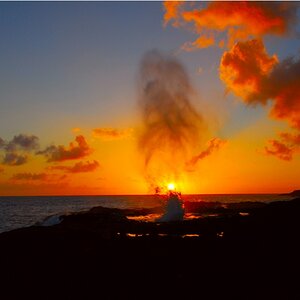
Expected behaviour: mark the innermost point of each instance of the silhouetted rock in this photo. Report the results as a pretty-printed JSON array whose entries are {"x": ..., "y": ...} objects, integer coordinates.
[
  {"x": 295, "y": 193},
  {"x": 102, "y": 252}
]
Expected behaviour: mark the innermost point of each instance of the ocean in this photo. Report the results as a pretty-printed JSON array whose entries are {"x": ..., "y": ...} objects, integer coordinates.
[{"x": 23, "y": 211}]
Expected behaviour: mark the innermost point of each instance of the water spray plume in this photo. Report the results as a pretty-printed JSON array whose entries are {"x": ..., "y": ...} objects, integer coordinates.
[{"x": 171, "y": 125}]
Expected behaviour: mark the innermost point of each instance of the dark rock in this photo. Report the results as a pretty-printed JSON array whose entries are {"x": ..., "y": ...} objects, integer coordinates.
[
  {"x": 252, "y": 257},
  {"x": 295, "y": 193}
]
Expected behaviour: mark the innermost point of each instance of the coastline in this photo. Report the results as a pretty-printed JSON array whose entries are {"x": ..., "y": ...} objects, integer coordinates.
[
  {"x": 18, "y": 212},
  {"x": 238, "y": 253}
]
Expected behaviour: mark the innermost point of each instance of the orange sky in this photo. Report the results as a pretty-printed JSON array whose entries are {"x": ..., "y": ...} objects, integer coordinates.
[{"x": 74, "y": 122}]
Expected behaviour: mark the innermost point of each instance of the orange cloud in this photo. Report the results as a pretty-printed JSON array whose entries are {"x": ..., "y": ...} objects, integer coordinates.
[
  {"x": 213, "y": 145},
  {"x": 247, "y": 69},
  {"x": 79, "y": 167},
  {"x": 284, "y": 149},
  {"x": 240, "y": 20},
  {"x": 171, "y": 10},
  {"x": 62, "y": 153},
  {"x": 30, "y": 176},
  {"x": 244, "y": 70},
  {"x": 250, "y": 73},
  {"x": 111, "y": 133},
  {"x": 293, "y": 139},
  {"x": 280, "y": 150},
  {"x": 200, "y": 42}
]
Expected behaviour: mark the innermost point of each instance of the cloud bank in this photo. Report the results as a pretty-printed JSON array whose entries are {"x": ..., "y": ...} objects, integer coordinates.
[
  {"x": 246, "y": 68},
  {"x": 16, "y": 151}
]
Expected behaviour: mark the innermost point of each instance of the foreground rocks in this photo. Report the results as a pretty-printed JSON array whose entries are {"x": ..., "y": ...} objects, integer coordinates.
[{"x": 248, "y": 251}]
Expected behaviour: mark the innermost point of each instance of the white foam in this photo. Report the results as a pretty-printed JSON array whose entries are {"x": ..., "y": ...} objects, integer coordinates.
[
  {"x": 174, "y": 209},
  {"x": 52, "y": 220}
]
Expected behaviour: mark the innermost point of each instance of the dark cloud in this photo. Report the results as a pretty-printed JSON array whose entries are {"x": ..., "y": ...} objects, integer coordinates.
[
  {"x": 14, "y": 159},
  {"x": 80, "y": 167},
  {"x": 2, "y": 143},
  {"x": 76, "y": 150},
  {"x": 283, "y": 86},
  {"x": 30, "y": 176},
  {"x": 16, "y": 151},
  {"x": 23, "y": 142}
]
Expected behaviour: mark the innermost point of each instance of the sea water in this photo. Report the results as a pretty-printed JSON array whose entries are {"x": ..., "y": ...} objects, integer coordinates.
[{"x": 22, "y": 211}]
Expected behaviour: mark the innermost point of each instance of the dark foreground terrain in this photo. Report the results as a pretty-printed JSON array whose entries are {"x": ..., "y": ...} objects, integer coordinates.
[{"x": 242, "y": 251}]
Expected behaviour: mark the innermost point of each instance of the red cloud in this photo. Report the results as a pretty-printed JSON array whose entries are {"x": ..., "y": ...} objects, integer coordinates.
[
  {"x": 171, "y": 10},
  {"x": 252, "y": 74},
  {"x": 280, "y": 150},
  {"x": 62, "y": 153},
  {"x": 292, "y": 139},
  {"x": 213, "y": 145},
  {"x": 286, "y": 147},
  {"x": 240, "y": 20},
  {"x": 245, "y": 69},
  {"x": 79, "y": 167}
]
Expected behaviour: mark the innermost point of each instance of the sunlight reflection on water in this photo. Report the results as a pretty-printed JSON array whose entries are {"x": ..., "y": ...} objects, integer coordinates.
[{"x": 154, "y": 217}]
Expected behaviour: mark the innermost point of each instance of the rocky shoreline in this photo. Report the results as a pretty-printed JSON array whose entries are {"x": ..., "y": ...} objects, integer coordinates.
[{"x": 248, "y": 250}]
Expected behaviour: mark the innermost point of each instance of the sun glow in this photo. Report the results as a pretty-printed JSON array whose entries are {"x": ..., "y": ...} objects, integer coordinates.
[{"x": 171, "y": 186}]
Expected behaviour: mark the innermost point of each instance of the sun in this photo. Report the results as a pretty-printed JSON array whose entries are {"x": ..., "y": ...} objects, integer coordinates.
[{"x": 171, "y": 186}]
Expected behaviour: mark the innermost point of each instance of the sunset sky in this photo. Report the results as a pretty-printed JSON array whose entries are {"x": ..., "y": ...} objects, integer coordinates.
[{"x": 70, "y": 118}]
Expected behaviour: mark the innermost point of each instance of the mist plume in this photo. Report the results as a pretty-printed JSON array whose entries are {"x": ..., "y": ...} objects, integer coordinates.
[{"x": 171, "y": 125}]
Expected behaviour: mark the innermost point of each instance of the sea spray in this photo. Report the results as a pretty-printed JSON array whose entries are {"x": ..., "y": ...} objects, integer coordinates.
[
  {"x": 174, "y": 210},
  {"x": 171, "y": 126}
]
